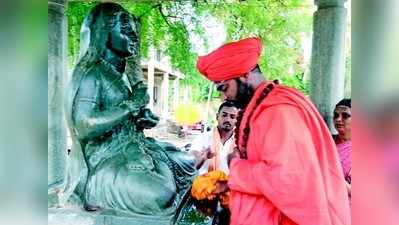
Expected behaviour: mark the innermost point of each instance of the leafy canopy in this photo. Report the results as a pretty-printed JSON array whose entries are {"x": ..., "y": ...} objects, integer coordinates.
[{"x": 170, "y": 25}]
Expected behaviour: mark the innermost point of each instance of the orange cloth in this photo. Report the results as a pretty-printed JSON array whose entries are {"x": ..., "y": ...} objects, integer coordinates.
[
  {"x": 231, "y": 60},
  {"x": 216, "y": 147},
  {"x": 292, "y": 174}
]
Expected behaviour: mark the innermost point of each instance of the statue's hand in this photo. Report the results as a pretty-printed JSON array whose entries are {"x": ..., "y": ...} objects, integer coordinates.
[
  {"x": 133, "y": 106},
  {"x": 147, "y": 119},
  {"x": 146, "y": 123},
  {"x": 140, "y": 94},
  {"x": 146, "y": 99}
]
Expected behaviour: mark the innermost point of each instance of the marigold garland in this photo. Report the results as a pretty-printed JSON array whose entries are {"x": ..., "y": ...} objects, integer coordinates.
[{"x": 204, "y": 187}]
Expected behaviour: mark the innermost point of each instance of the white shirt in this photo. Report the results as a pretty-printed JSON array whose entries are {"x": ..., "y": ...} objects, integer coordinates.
[{"x": 203, "y": 141}]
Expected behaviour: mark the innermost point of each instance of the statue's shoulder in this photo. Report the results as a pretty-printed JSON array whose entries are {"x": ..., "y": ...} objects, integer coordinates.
[
  {"x": 94, "y": 73},
  {"x": 88, "y": 79}
]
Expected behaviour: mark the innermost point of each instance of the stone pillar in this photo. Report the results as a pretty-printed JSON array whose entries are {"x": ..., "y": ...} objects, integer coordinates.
[
  {"x": 328, "y": 56},
  {"x": 57, "y": 72},
  {"x": 176, "y": 93},
  {"x": 165, "y": 95},
  {"x": 150, "y": 83},
  {"x": 186, "y": 94}
]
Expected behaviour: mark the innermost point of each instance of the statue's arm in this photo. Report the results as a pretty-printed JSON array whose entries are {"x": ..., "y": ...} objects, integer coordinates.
[{"x": 90, "y": 120}]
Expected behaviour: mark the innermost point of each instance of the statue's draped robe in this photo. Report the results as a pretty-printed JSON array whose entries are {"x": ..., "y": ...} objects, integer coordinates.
[
  {"x": 126, "y": 170},
  {"x": 292, "y": 174}
]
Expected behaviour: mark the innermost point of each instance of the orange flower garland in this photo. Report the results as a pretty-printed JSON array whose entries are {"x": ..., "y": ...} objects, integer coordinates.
[{"x": 204, "y": 187}]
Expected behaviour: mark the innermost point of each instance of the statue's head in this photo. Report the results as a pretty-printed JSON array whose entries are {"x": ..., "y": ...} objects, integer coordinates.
[{"x": 109, "y": 26}]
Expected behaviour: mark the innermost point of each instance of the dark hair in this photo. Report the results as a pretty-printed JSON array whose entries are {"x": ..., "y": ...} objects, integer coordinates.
[
  {"x": 257, "y": 69},
  {"x": 344, "y": 102},
  {"x": 228, "y": 104}
]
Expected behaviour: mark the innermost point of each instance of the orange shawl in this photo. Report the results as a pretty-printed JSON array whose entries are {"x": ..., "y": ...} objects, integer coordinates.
[{"x": 216, "y": 145}]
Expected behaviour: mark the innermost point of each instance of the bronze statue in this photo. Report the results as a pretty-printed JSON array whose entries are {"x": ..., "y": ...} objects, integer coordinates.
[{"x": 106, "y": 113}]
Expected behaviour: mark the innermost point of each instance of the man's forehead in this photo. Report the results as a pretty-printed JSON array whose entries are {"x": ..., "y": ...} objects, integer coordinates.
[
  {"x": 342, "y": 108},
  {"x": 218, "y": 83},
  {"x": 229, "y": 109},
  {"x": 222, "y": 81}
]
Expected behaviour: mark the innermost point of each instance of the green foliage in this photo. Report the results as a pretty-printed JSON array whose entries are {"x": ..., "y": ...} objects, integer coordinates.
[
  {"x": 192, "y": 216},
  {"x": 168, "y": 26},
  {"x": 278, "y": 23},
  {"x": 298, "y": 82},
  {"x": 76, "y": 13}
]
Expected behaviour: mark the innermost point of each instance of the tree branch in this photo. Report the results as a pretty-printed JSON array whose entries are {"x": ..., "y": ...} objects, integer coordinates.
[
  {"x": 238, "y": 22},
  {"x": 176, "y": 17},
  {"x": 163, "y": 15},
  {"x": 152, "y": 7},
  {"x": 282, "y": 3}
]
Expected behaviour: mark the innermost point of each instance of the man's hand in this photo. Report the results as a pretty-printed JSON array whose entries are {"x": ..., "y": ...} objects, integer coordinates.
[
  {"x": 202, "y": 156},
  {"x": 234, "y": 154},
  {"x": 221, "y": 187},
  {"x": 208, "y": 154}
]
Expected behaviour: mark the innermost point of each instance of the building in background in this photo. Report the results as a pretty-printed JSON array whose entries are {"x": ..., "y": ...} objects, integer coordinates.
[{"x": 163, "y": 83}]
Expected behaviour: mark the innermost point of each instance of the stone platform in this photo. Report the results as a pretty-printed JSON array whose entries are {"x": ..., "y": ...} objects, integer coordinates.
[
  {"x": 77, "y": 216},
  {"x": 82, "y": 217}
]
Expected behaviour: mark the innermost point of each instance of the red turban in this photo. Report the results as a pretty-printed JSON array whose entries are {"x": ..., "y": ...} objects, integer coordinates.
[{"x": 231, "y": 60}]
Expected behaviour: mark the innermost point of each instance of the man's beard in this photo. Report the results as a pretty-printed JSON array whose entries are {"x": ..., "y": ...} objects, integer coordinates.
[
  {"x": 244, "y": 94},
  {"x": 226, "y": 128}
]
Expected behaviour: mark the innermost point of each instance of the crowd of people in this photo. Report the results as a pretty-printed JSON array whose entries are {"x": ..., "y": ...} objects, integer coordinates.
[{"x": 283, "y": 164}]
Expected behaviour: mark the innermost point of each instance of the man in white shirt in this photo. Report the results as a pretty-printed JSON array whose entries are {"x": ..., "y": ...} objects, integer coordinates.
[{"x": 212, "y": 147}]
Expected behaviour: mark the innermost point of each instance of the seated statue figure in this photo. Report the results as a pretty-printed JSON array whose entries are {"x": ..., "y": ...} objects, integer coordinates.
[{"x": 106, "y": 113}]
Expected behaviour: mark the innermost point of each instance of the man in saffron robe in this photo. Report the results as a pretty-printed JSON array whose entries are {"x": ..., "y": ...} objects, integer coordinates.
[{"x": 288, "y": 171}]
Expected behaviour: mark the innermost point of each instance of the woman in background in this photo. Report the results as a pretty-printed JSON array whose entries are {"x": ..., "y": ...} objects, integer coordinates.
[{"x": 342, "y": 123}]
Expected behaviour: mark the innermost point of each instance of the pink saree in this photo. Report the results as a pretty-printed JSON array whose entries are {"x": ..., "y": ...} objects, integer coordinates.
[{"x": 345, "y": 152}]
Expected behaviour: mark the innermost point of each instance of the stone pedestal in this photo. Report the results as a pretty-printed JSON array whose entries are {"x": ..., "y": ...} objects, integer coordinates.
[
  {"x": 57, "y": 39},
  {"x": 81, "y": 217},
  {"x": 328, "y": 56},
  {"x": 75, "y": 214}
]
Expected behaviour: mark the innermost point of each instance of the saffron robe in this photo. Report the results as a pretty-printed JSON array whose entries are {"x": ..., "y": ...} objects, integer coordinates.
[{"x": 293, "y": 173}]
